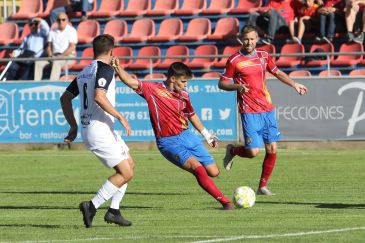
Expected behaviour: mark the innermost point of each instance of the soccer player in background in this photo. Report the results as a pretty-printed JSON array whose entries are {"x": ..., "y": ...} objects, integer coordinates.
[
  {"x": 96, "y": 86},
  {"x": 170, "y": 109},
  {"x": 245, "y": 73}
]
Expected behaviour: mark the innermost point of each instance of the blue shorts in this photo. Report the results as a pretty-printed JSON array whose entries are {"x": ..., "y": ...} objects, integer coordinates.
[
  {"x": 178, "y": 149},
  {"x": 258, "y": 128}
]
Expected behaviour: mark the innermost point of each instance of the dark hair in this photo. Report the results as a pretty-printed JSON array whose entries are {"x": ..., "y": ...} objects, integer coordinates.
[
  {"x": 179, "y": 69},
  {"x": 247, "y": 29},
  {"x": 102, "y": 44}
]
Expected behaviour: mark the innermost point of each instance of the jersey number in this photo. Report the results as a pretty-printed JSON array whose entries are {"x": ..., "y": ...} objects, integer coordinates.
[{"x": 86, "y": 103}]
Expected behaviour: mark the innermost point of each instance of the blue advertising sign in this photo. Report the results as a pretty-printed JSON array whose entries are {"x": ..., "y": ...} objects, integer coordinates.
[{"x": 31, "y": 112}]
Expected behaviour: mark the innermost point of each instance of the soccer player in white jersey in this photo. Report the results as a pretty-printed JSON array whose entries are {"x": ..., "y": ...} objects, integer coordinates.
[{"x": 96, "y": 86}]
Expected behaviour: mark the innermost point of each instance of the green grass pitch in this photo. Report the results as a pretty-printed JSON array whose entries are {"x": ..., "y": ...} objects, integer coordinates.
[{"x": 320, "y": 197}]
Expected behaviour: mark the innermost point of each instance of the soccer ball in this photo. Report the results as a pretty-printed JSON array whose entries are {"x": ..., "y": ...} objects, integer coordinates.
[{"x": 244, "y": 197}]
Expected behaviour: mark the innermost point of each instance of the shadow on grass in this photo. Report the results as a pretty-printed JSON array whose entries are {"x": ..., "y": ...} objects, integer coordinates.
[
  {"x": 322, "y": 205},
  {"x": 92, "y": 193},
  {"x": 45, "y": 226},
  {"x": 67, "y": 208}
]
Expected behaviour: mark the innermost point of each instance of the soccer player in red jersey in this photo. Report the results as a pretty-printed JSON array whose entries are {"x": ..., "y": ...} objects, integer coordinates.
[
  {"x": 170, "y": 109},
  {"x": 245, "y": 73}
]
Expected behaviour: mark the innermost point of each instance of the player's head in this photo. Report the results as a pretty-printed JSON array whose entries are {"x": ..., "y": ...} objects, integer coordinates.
[
  {"x": 103, "y": 45},
  {"x": 249, "y": 38},
  {"x": 178, "y": 76}
]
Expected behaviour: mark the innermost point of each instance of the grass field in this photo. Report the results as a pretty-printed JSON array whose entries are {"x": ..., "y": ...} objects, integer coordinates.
[{"x": 320, "y": 197}]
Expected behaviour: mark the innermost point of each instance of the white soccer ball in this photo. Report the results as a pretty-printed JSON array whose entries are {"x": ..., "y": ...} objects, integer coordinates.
[{"x": 244, "y": 197}]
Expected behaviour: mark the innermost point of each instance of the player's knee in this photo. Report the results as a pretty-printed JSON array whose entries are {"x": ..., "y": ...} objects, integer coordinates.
[
  {"x": 128, "y": 176},
  {"x": 212, "y": 170},
  {"x": 214, "y": 173},
  {"x": 252, "y": 153}
]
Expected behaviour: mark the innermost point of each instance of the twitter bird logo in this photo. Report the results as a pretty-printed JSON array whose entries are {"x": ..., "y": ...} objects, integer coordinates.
[{"x": 224, "y": 114}]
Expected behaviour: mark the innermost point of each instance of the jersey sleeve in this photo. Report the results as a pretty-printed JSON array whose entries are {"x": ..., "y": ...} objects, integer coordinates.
[
  {"x": 143, "y": 88},
  {"x": 73, "y": 88},
  {"x": 229, "y": 71},
  {"x": 271, "y": 66},
  {"x": 104, "y": 76}
]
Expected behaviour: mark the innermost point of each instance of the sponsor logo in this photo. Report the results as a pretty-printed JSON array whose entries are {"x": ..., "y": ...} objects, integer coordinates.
[
  {"x": 356, "y": 116},
  {"x": 7, "y": 111},
  {"x": 207, "y": 114},
  {"x": 248, "y": 140},
  {"x": 101, "y": 82}
]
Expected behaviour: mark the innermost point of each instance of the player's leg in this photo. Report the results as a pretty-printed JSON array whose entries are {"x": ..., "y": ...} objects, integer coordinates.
[
  {"x": 118, "y": 196},
  {"x": 267, "y": 168},
  {"x": 185, "y": 151},
  {"x": 271, "y": 135},
  {"x": 251, "y": 126},
  {"x": 205, "y": 182},
  {"x": 113, "y": 156},
  {"x": 113, "y": 214}
]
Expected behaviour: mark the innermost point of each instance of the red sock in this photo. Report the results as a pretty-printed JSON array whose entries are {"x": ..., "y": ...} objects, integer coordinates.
[
  {"x": 267, "y": 168},
  {"x": 208, "y": 185},
  {"x": 240, "y": 151}
]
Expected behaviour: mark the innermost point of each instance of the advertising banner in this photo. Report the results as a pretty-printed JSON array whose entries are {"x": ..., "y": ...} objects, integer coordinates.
[
  {"x": 30, "y": 112},
  {"x": 334, "y": 109}
]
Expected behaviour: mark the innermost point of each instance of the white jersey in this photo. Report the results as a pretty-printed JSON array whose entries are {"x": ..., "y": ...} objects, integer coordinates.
[{"x": 97, "y": 126}]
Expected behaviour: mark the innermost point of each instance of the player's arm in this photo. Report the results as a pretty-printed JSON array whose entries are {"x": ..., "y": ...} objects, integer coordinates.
[
  {"x": 123, "y": 75},
  {"x": 67, "y": 108},
  {"x": 224, "y": 85},
  {"x": 283, "y": 77},
  {"x": 211, "y": 139},
  {"x": 226, "y": 80},
  {"x": 101, "y": 99}
]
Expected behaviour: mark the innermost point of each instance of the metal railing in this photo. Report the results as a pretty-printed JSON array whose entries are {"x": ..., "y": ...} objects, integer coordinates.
[{"x": 151, "y": 58}]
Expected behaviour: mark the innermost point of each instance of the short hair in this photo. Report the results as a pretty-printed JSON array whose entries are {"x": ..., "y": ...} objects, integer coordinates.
[
  {"x": 102, "y": 44},
  {"x": 247, "y": 29},
  {"x": 178, "y": 69}
]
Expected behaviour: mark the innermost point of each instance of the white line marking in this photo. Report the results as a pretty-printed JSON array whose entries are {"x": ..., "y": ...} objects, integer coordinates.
[{"x": 242, "y": 237}]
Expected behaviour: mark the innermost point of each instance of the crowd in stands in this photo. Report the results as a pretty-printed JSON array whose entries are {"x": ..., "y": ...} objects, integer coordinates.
[{"x": 53, "y": 31}]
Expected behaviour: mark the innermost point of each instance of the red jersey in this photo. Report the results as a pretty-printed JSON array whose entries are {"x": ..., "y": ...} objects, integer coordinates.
[
  {"x": 307, "y": 10},
  {"x": 339, "y": 4},
  {"x": 250, "y": 70},
  {"x": 169, "y": 110},
  {"x": 286, "y": 8}
]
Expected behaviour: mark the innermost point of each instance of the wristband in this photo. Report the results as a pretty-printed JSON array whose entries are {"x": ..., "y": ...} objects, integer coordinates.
[{"x": 206, "y": 134}]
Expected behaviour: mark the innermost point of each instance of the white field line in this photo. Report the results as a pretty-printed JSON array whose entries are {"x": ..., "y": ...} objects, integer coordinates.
[
  {"x": 242, "y": 237},
  {"x": 246, "y": 237}
]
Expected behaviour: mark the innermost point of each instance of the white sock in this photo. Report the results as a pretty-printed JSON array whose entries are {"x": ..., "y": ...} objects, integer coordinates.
[
  {"x": 118, "y": 196},
  {"x": 105, "y": 192}
]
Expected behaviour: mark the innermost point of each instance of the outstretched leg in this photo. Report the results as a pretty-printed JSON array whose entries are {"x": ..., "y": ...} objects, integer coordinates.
[{"x": 205, "y": 182}]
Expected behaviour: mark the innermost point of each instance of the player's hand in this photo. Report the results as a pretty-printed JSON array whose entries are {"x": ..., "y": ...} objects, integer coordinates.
[
  {"x": 125, "y": 124},
  {"x": 72, "y": 134},
  {"x": 213, "y": 141},
  {"x": 300, "y": 88},
  {"x": 115, "y": 62},
  {"x": 241, "y": 88}
]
